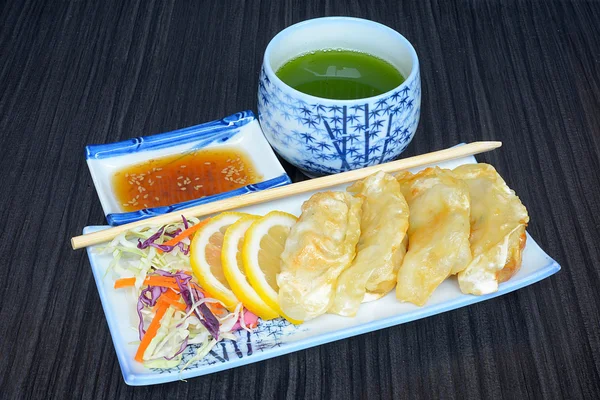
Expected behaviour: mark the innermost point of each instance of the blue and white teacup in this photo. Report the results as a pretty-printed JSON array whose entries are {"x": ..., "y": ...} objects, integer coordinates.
[{"x": 324, "y": 136}]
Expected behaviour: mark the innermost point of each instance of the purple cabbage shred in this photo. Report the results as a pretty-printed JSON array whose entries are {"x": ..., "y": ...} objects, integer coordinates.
[
  {"x": 143, "y": 300},
  {"x": 165, "y": 248},
  {"x": 210, "y": 322},
  {"x": 181, "y": 349},
  {"x": 142, "y": 245}
]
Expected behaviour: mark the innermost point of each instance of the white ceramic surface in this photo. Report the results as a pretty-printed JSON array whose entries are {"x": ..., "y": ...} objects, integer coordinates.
[{"x": 277, "y": 337}]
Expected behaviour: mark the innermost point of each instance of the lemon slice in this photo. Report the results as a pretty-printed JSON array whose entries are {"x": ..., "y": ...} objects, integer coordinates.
[
  {"x": 261, "y": 255},
  {"x": 231, "y": 258},
  {"x": 205, "y": 257}
]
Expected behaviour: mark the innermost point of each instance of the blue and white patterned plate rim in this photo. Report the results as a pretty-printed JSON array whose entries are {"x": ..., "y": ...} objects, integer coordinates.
[{"x": 208, "y": 131}]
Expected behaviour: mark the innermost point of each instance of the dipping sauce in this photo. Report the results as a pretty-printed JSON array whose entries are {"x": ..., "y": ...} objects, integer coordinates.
[{"x": 182, "y": 177}]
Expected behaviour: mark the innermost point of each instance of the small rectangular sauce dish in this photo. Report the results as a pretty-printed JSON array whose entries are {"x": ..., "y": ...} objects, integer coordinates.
[{"x": 152, "y": 175}]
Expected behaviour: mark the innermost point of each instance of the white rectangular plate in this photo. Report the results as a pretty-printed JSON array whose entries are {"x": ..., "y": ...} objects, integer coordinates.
[{"x": 277, "y": 337}]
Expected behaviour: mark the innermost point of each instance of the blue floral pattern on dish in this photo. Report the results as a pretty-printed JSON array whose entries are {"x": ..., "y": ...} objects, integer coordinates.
[
  {"x": 326, "y": 138},
  {"x": 267, "y": 335}
]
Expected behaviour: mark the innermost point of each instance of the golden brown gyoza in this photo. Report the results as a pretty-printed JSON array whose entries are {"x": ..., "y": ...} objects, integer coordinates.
[
  {"x": 319, "y": 247},
  {"x": 381, "y": 246},
  {"x": 438, "y": 233},
  {"x": 498, "y": 222}
]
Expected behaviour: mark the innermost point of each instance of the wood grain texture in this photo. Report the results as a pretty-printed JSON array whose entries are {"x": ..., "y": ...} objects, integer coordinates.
[{"x": 523, "y": 72}]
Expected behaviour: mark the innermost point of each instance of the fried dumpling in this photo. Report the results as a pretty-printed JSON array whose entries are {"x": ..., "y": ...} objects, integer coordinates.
[
  {"x": 381, "y": 246},
  {"x": 319, "y": 247},
  {"x": 438, "y": 233},
  {"x": 498, "y": 222}
]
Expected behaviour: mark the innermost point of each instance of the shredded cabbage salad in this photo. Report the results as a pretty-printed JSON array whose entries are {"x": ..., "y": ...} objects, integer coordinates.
[{"x": 172, "y": 308}]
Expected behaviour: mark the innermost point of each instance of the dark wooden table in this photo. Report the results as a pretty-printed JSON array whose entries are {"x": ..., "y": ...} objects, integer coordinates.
[{"x": 79, "y": 72}]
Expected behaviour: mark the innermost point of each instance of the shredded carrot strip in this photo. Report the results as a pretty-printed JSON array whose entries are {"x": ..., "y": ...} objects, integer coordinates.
[
  {"x": 124, "y": 282},
  {"x": 154, "y": 325},
  {"x": 215, "y": 308},
  {"x": 173, "y": 302},
  {"x": 189, "y": 231}
]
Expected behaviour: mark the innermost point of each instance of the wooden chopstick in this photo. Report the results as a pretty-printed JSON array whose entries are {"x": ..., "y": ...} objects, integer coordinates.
[{"x": 106, "y": 235}]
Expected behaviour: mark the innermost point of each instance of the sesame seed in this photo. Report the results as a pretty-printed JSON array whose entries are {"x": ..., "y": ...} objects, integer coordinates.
[
  {"x": 146, "y": 196},
  {"x": 183, "y": 188},
  {"x": 145, "y": 205},
  {"x": 183, "y": 166},
  {"x": 156, "y": 198},
  {"x": 179, "y": 177},
  {"x": 158, "y": 177}
]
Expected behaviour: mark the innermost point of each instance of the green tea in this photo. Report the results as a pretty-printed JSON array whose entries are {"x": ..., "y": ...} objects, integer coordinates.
[{"x": 340, "y": 74}]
